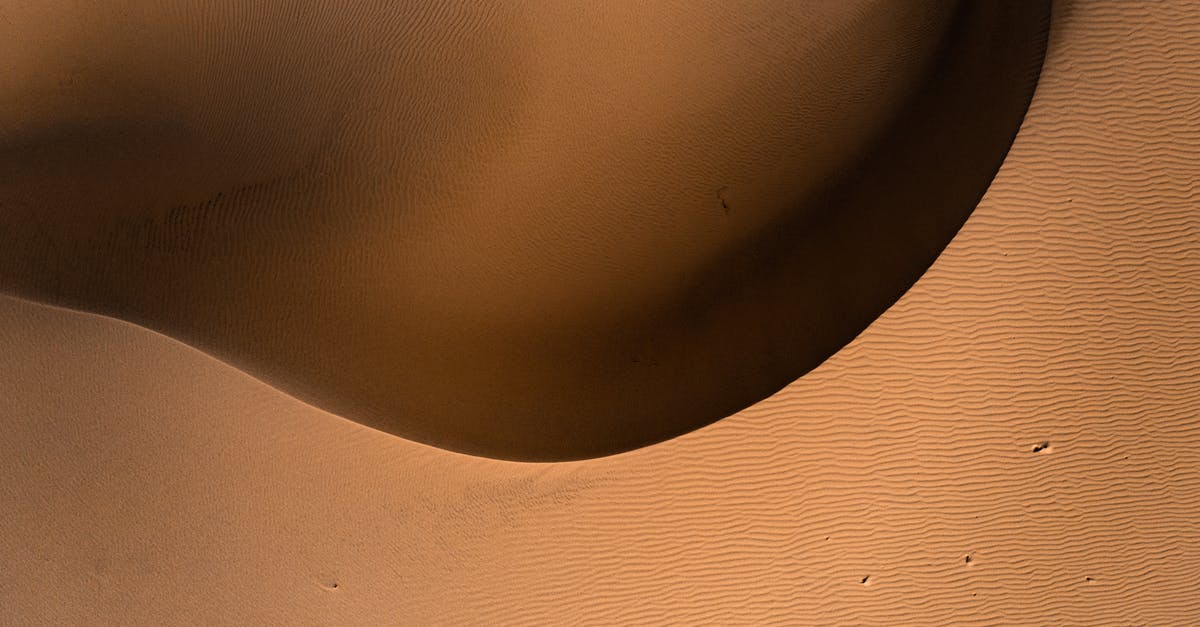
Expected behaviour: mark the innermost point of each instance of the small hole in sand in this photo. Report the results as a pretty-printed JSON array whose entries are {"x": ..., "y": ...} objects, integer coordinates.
[
  {"x": 864, "y": 579},
  {"x": 967, "y": 559},
  {"x": 1038, "y": 448},
  {"x": 721, "y": 197}
]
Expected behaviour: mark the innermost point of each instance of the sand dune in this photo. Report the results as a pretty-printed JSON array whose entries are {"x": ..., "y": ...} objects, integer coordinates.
[
  {"x": 537, "y": 232},
  {"x": 143, "y": 482}
]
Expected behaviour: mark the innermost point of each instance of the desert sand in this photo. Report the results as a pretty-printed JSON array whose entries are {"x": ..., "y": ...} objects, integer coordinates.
[
  {"x": 535, "y": 232},
  {"x": 1030, "y": 404}
]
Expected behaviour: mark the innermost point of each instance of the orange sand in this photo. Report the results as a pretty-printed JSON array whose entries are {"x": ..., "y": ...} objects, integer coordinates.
[
  {"x": 143, "y": 482},
  {"x": 521, "y": 231}
]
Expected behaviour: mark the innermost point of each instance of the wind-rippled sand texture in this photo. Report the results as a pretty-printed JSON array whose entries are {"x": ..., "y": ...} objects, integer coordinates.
[{"x": 1031, "y": 403}]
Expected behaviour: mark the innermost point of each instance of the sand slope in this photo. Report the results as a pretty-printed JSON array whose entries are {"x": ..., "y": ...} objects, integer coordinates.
[
  {"x": 1067, "y": 311},
  {"x": 534, "y": 231}
]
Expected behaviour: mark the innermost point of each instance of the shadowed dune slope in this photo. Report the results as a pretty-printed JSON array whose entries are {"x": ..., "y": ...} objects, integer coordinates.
[{"x": 534, "y": 232}]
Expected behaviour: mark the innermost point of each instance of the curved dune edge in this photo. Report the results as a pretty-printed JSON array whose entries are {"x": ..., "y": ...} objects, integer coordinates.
[
  {"x": 653, "y": 380},
  {"x": 144, "y": 483}
]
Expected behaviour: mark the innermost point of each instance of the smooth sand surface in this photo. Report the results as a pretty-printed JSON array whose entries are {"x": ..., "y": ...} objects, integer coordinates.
[
  {"x": 144, "y": 482},
  {"x": 533, "y": 231}
]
